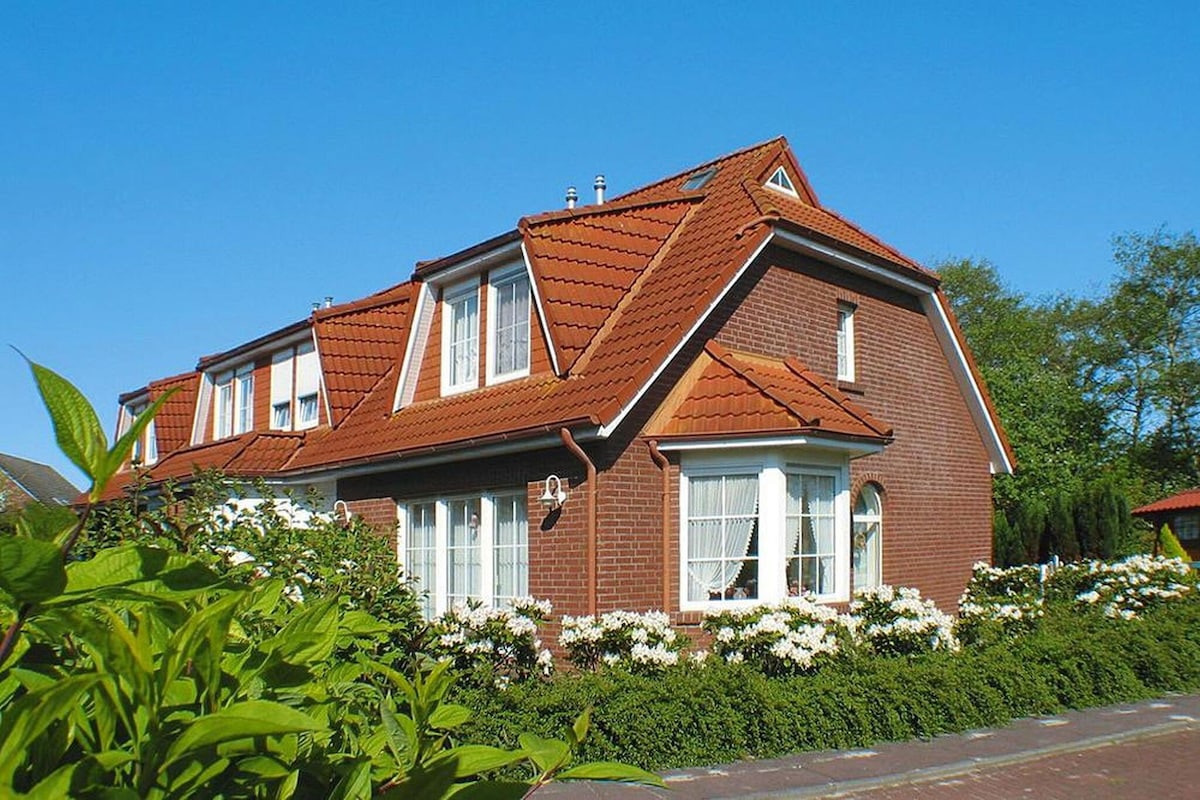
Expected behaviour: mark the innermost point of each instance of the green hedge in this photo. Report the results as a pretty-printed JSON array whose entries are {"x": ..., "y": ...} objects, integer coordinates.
[{"x": 693, "y": 717}]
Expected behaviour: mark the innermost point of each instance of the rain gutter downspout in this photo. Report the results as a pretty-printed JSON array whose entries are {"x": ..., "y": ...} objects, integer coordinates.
[
  {"x": 665, "y": 467},
  {"x": 590, "y": 547}
]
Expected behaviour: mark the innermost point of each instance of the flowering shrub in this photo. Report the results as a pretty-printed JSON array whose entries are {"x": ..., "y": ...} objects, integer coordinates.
[
  {"x": 898, "y": 622},
  {"x": 1125, "y": 589},
  {"x": 1005, "y": 600},
  {"x": 639, "y": 642},
  {"x": 496, "y": 645},
  {"x": 789, "y": 637}
]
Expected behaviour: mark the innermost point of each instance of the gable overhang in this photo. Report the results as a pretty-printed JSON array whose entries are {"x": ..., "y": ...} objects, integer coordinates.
[
  {"x": 923, "y": 287},
  {"x": 925, "y": 290},
  {"x": 495, "y": 251},
  {"x": 264, "y": 345},
  {"x": 852, "y": 447}
]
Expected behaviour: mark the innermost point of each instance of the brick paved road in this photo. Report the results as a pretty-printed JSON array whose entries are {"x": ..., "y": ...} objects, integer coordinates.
[{"x": 1163, "y": 767}]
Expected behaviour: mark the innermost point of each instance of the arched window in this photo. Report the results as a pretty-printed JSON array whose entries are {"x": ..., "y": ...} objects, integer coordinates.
[{"x": 867, "y": 545}]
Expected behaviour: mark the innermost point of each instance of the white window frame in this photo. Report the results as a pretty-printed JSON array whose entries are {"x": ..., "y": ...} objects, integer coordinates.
[
  {"x": 773, "y": 467},
  {"x": 452, "y": 295},
  {"x": 243, "y": 399},
  {"x": 845, "y": 342},
  {"x": 302, "y": 422},
  {"x": 771, "y": 184},
  {"x": 439, "y": 589},
  {"x": 865, "y": 519},
  {"x": 498, "y": 279},
  {"x": 145, "y": 447},
  {"x": 223, "y": 411}
]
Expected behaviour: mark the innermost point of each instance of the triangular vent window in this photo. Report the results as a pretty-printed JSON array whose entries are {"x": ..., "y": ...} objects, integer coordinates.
[{"x": 779, "y": 180}]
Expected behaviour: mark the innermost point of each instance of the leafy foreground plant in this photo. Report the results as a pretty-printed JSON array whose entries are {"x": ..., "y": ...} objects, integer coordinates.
[{"x": 142, "y": 673}]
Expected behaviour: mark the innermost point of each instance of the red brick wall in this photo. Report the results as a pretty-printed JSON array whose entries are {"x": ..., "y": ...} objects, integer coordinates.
[
  {"x": 14, "y": 497},
  {"x": 935, "y": 475}
]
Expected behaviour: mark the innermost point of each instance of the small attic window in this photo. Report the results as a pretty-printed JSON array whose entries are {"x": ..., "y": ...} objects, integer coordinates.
[
  {"x": 699, "y": 180},
  {"x": 779, "y": 180}
]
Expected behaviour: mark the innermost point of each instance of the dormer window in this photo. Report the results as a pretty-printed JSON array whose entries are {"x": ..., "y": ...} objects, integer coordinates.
[
  {"x": 460, "y": 337},
  {"x": 780, "y": 181},
  {"x": 235, "y": 402},
  {"x": 508, "y": 324},
  {"x": 145, "y": 447}
]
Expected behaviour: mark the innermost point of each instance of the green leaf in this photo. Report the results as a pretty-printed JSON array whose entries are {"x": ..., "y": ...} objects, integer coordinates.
[
  {"x": 76, "y": 427},
  {"x": 472, "y": 759},
  {"x": 309, "y": 636},
  {"x": 491, "y": 790},
  {"x": 31, "y": 570},
  {"x": 287, "y": 786},
  {"x": 401, "y": 733},
  {"x": 240, "y": 721},
  {"x": 579, "y": 730},
  {"x": 356, "y": 785},
  {"x": 26, "y": 719},
  {"x": 548, "y": 754},
  {"x": 138, "y": 568},
  {"x": 449, "y": 716},
  {"x": 610, "y": 771},
  {"x": 264, "y": 767},
  {"x": 54, "y": 786},
  {"x": 46, "y": 522},
  {"x": 124, "y": 446}
]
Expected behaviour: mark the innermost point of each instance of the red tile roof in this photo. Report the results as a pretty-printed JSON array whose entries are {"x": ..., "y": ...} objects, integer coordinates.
[
  {"x": 728, "y": 393},
  {"x": 621, "y": 286},
  {"x": 358, "y": 343},
  {"x": 1184, "y": 501},
  {"x": 173, "y": 425}
]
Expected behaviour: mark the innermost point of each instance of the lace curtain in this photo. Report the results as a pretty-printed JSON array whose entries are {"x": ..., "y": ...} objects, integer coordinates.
[{"x": 722, "y": 513}]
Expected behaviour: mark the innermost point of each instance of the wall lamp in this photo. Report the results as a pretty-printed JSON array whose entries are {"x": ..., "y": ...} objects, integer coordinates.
[{"x": 553, "y": 499}]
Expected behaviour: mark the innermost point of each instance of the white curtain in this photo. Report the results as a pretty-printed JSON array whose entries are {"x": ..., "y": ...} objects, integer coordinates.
[
  {"x": 722, "y": 513},
  {"x": 464, "y": 550}
]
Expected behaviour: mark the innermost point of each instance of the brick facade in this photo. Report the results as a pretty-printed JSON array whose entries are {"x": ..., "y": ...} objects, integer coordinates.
[{"x": 935, "y": 479}]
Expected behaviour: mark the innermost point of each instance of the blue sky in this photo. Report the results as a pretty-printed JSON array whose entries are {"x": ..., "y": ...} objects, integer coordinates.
[{"x": 176, "y": 179}]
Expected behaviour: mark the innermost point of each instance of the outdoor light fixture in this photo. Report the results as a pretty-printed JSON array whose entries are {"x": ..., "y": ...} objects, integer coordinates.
[
  {"x": 553, "y": 499},
  {"x": 341, "y": 512}
]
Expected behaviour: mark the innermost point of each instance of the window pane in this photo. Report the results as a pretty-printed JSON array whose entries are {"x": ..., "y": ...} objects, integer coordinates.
[
  {"x": 281, "y": 416},
  {"x": 464, "y": 339},
  {"x": 308, "y": 409},
  {"x": 420, "y": 553},
  {"x": 810, "y": 527},
  {"x": 463, "y": 551},
  {"x": 224, "y": 421},
  {"x": 511, "y": 549},
  {"x": 722, "y": 541},
  {"x": 512, "y": 326},
  {"x": 245, "y": 393}
]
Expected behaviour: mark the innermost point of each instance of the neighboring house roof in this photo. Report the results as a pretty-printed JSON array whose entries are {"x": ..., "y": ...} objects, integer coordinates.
[
  {"x": 39, "y": 481},
  {"x": 619, "y": 289},
  {"x": 1188, "y": 500}
]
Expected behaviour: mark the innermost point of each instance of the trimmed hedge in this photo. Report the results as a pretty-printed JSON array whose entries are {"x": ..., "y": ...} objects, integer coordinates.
[{"x": 692, "y": 716}]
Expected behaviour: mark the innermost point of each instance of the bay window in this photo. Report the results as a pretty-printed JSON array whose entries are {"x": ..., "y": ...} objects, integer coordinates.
[
  {"x": 763, "y": 524},
  {"x": 466, "y": 548}
]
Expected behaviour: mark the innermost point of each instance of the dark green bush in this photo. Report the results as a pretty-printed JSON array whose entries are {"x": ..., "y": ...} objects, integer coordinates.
[{"x": 690, "y": 717}]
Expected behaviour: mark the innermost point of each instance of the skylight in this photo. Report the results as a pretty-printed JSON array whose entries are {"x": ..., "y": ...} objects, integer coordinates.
[
  {"x": 779, "y": 180},
  {"x": 699, "y": 180}
]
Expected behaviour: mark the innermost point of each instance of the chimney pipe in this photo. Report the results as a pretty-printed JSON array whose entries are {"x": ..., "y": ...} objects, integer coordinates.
[
  {"x": 328, "y": 301},
  {"x": 316, "y": 306},
  {"x": 572, "y": 197},
  {"x": 599, "y": 187}
]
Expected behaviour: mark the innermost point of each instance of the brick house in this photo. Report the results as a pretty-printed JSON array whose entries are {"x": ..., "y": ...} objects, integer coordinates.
[
  {"x": 1182, "y": 513},
  {"x": 708, "y": 391},
  {"x": 23, "y": 481}
]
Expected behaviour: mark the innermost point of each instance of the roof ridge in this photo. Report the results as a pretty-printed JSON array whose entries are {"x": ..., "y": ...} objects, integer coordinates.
[
  {"x": 730, "y": 359},
  {"x": 368, "y": 303},
  {"x": 612, "y": 207},
  {"x": 825, "y": 387},
  {"x": 581, "y": 361},
  {"x": 699, "y": 167}
]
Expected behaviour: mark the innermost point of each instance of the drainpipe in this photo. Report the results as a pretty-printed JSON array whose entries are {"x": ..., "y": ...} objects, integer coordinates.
[
  {"x": 590, "y": 550},
  {"x": 665, "y": 467}
]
